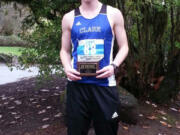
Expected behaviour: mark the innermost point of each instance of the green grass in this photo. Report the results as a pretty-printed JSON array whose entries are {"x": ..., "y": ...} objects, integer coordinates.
[{"x": 11, "y": 50}]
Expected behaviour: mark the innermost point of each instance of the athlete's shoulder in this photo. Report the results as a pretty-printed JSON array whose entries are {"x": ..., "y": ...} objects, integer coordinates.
[
  {"x": 69, "y": 15},
  {"x": 113, "y": 10},
  {"x": 114, "y": 13},
  {"x": 68, "y": 18}
]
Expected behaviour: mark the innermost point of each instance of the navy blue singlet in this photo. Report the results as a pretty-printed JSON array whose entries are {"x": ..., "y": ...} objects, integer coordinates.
[{"x": 93, "y": 37}]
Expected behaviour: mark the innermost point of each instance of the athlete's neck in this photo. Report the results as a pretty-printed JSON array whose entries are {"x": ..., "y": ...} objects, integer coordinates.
[
  {"x": 90, "y": 8},
  {"x": 89, "y": 5}
]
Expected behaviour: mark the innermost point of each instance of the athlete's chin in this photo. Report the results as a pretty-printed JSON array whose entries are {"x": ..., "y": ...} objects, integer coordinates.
[{"x": 87, "y": 1}]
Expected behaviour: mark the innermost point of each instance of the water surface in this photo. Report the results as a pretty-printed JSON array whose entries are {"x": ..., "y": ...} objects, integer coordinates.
[{"x": 8, "y": 76}]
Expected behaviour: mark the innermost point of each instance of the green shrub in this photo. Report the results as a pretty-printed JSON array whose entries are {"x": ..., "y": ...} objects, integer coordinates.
[{"x": 44, "y": 48}]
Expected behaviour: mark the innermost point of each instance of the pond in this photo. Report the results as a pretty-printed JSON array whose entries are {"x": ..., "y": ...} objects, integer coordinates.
[{"x": 8, "y": 76}]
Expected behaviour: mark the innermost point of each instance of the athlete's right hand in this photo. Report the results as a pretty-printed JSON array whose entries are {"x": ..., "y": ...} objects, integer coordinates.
[{"x": 72, "y": 74}]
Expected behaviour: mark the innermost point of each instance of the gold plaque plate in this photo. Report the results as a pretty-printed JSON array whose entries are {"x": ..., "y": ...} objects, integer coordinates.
[{"x": 88, "y": 68}]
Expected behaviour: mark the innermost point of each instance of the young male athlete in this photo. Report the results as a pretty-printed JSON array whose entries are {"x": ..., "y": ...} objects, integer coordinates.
[{"x": 90, "y": 31}]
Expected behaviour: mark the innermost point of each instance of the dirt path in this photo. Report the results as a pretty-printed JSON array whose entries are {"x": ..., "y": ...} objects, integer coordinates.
[{"x": 26, "y": 109}]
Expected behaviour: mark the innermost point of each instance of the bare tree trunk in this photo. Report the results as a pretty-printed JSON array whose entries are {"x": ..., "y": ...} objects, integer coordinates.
[
  {"x": 172, "y": 28},
  {"x": 177, "y": 30},
  {"x": 112, "y": 2},
  {"x": 178, "y": 16},
  {"x": 139, "y": 30},
  {"x": 121, "y": 6}
]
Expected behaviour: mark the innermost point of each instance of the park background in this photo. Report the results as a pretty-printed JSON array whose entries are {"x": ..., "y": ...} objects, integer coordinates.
[{"x": 30, "y": 35}]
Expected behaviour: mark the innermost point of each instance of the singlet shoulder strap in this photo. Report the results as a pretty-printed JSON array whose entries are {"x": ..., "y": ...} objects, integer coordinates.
[
  {"x": 77, "y": 12},
  {"x": 103, "y": 9}
]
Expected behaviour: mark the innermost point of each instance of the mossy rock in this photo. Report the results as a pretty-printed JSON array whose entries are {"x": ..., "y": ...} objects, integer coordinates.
[
  {"x": 128, "y": 106},
  {"x": 126, "y": 98}
]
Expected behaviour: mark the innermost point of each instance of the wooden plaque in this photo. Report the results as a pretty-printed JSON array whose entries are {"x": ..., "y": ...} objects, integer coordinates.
[{"x": 88, "y": 68}]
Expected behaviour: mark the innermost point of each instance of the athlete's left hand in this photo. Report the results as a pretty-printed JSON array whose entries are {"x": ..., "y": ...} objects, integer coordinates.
[{"x": 105, "y": 72}]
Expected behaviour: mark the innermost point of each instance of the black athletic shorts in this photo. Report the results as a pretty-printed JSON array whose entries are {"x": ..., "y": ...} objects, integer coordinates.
[{"x": 88, "y": 103}]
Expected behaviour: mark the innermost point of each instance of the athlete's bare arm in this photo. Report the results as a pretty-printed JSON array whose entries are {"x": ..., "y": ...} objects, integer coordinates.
[
  {"x": 121, "y": 37},
  {"x": 65, "y": 53},
  {"x": 117, "y": 23}
]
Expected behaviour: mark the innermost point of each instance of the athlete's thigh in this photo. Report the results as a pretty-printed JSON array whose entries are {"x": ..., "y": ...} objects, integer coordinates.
[
  {"x": 105, "y": 110},
  {"x": 78, "y": 119}
]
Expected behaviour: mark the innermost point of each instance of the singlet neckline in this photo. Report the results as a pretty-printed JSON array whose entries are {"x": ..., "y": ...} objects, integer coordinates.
[{"x": 94, "y": 16}]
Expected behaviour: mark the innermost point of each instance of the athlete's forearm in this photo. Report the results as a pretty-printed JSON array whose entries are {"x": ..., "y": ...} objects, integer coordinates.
[
  {"x": 71, "y": 73},
  {"x": 121, "y": 55},
  {"x": 65, "y": 59}
]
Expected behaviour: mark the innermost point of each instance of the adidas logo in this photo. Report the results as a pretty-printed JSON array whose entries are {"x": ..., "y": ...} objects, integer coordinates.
[
  {"x": 115, "y": 115},
  {"x": 78, "y": 23}
]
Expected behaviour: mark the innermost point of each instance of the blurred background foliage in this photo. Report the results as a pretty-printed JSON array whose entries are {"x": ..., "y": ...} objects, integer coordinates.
[{"x": 152, "y": 69}]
